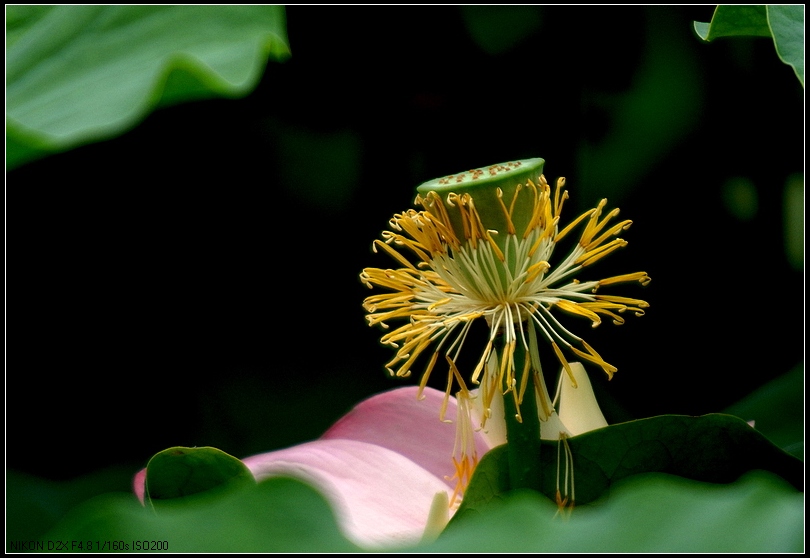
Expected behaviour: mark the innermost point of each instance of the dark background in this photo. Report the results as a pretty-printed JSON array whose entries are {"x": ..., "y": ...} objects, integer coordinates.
[{"x": 194, "y": 281}]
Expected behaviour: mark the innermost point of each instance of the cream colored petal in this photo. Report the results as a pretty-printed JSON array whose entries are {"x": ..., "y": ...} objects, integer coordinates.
[
  {"x": 552, "y": 428},
  {"x": 579, "y": 411},
  {"x": 494, "y": 431},
  {"x": 438, "y": 518}
]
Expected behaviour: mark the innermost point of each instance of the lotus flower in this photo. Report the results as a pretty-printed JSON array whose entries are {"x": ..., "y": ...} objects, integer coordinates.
[
  {"x": 386, "y": 466},
  {"x": 381, "y": 466}
]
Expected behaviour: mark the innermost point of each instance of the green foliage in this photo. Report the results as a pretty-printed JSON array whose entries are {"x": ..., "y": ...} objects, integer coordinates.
[
  {"x": 735, "y": 21},
  {"x": 277, "y": 515},
  {"x": 497, "y": 29},
  {"x": 282, "y": 515},
  {"x": 34, "y": 505},
  {"x": 178, "y": 472},
  {"x": 77, "y": 74},
  {"x": 713, "y": 448},
  {"x": 784, "y": 23},
  {"x": 777, "y": 409},
  {"x": 648, "y": 119},
  {"x": 648, "y": 513}
]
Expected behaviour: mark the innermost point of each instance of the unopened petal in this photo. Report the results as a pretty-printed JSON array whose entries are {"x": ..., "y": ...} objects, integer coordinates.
[
  {"x": 381, "y": 498},
  {"x": 579, "y": 410}
]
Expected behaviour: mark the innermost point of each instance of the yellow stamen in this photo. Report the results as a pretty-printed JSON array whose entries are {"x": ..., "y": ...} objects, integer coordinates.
[
  {"x": 594, "y": 225},
  {"x": 579, "y": 310},
  {"x": 593, "y": 356},
  {"x": 494, "y": 246},
  {"x": 510, "y": 227},
  {"x": 564, "y": 363},
  {"x": 640, "y": 276},
  {"x": 535, "y": 270},
  {"x": 426, "y": 374},
  {"x": 524, "y": 380},
  {"x": 393, "y": 253},
  {"x": 573, "y": 224},
  {"x": 614, "y": 230},
  {"x": 624, "y": 300},
  {"x": 592, "y": 256},
  {"x": 559, "y": 200}
]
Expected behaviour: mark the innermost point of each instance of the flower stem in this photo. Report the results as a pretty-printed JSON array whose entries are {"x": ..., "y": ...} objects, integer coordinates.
[{"x": 523, "y": 436}]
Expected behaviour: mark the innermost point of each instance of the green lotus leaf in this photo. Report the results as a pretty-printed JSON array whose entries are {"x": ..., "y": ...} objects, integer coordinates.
[
  {"x": 787, "y": 27},
  {"x": 735, "y": 21},
  {"x": 277, "y": 515},
  {"x": 655, "y": 512},
  {"x": 78, "y": 74},
  {"x": 178, "y": 472},
  {"x": 785, "y": 24},
  {"x": 713, "y": 448}
]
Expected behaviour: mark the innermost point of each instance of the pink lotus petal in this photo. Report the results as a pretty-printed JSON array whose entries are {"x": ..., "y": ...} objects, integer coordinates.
[
  {"x": 397, "y": 420},
  {"x": 380, "y": 497},
  {"x": 380, "y": 466},
  {"x": 139, "y": 484}
]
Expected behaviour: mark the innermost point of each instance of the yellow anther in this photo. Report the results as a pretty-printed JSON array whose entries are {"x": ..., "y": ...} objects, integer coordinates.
[
  {"x": 565, "y": 364},
  {"x": 640, "y": 276}
]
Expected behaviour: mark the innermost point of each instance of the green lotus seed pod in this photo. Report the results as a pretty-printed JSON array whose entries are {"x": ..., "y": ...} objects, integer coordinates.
[{"x": 484, "y": 185}]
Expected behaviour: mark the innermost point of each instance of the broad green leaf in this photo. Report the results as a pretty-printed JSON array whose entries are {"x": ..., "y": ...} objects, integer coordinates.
[
  {"x": 650, "y": 513},
  {"x": 785, "y": 24},
  {"x": 178, "y": 472},
  {"x": 647, "y": 513},
  {"x": 787, "y": 27},
  {"x": 713, "y": 448},
  {"x": 735, "y": 21},
  {"x": 77, "y": 74},
  {"x": 276, "y": 515}
]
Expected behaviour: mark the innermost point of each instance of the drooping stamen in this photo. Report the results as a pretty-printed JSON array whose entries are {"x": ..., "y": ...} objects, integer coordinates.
[
  {"x": 564, "y": 362},
  {"x": 565, "y": 499}
]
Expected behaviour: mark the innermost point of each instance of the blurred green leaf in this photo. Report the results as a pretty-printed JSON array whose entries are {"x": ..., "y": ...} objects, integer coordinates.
[
  {"x": 178, "y": 472},
  {"x": 712, "y": 448},
  {"x": 497, "y": 29},
  {"x": 793, "y": 220},
  {"x": 340, "y": 150},
  {"x": 647, "y": 513},
  {"x": 785, "y": 24},
  {"x": 740, "y": 197},
  {"x": 276, "y": 515},
  {"x": 662, "y": 106},
  {"x": 34, "y": 504},
  {"x": 77, "y": 74},
  {"x": 777, "y": 409}
]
